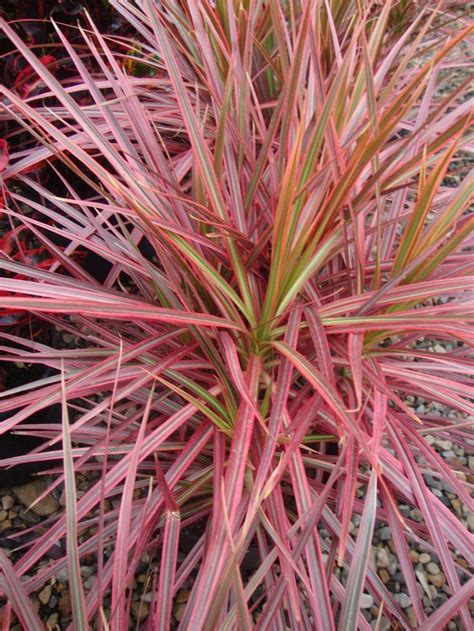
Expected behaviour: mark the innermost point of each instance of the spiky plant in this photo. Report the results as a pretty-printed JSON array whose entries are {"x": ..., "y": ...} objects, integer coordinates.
[{"x": 286, "y": 163}]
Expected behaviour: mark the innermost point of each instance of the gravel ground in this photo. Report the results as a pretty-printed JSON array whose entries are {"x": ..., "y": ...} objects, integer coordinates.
[{"x": 53, "y": 602}]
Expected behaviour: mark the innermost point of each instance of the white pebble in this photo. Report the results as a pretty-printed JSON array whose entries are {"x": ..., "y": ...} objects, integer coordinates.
[{"x": 366, "y": 601}]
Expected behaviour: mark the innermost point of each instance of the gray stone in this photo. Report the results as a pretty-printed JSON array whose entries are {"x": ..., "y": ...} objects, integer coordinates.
[
  {"x": 90, "y": 582},
  {"x": 366, "y": 601},
  {"x": 385, "y": 534},
  {"x": 416, "y": 514},
  {"x": 403, "y": 600},
  {"x": 445, "y": 445}
]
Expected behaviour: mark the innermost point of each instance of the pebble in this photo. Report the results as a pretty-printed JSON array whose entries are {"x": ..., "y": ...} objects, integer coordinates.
[
  {"x": 432, "y": 568},
  {"x": 366, "y": 601},
  {"x": 52, "y": 621},
  {"x": 416, "y": 514},
  {"x": 438, "y": 580},
  {"x": 86, "y": 571},
  {"x": 29, "y": 493},
  {"x": 90, "y": 582},
  {"x": 384, "y": 576},
  {"x": 178, "y": 611},
  {"x": 470, "y": 522},
  {"x": 45, "y": 594},
  {"x": 403, "y": 600},
  {"x": 382, "y": 558},
  {"x": 385, "y": 534},
  {"x": 412, "y": 617},
  {"x": 182, "y": 596},
  {"x": 444, "y": 445},
  {"x": 3, "y": 515},
  {"x": 7, "y": 502},
  {"x": 64, "y": 605},
  {"x": 140, "y": 610},
  {"x": 433, "y": 592},
  {"x": 424, "y": 558},
  {"x": 414, "y": 556}
]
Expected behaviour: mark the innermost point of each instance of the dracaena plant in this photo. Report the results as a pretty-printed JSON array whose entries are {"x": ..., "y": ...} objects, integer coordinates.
[{"x": 285, "y": 164}]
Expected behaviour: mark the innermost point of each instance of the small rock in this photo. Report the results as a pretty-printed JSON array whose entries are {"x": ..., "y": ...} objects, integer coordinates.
[
  {"x": 412, "y": 617},
  {"x": 3, "y": 515},
  {"x": 29, "y": 493},
  {"x": 381, "y": 625},
  {"x": 414, "y": 556},
  {"x": 52, "y": 621},
  {"x": 45, "y": 594},
  {"x": 178, "y": 611},
  {"x": 7, "y": 502},
  {"x": 90, "y": 582},
  {"x": 5, "y": 525},
  {"x": 64, "y": 605},
  {"x": 416, "y": 514},
  {"x": 366, "y": 601},
  {"x": 382, "y": 558},
  {"x": 182, "y": 596},
  {"x": 438, "y": 580},
  {"x": 432, "y": 568},
  {"x": 457, "y": 506},
  {"x": 424, "y": 558},
  {"x": 140, "y": 610},
  {"x": 470, "y": 522},
  {"x": 433, "y": 592},
  {"x": 384, "y": 575},
  {"x": 403, "y": 600},
  {"x": 86, "y": 571},
  {"x": 62, "y": 575},
  {"x": 385, "y": 533},
  {"x": 444, "y": 445}
]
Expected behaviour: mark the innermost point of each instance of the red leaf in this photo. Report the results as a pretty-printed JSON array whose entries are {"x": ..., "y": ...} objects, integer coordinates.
[
  {"x": 25, "y": 87},
  {"x": 4, "y": 155}
]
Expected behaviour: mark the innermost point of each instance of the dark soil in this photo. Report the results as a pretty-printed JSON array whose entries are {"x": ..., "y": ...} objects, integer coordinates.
[{"x": 13, "y": 374}]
